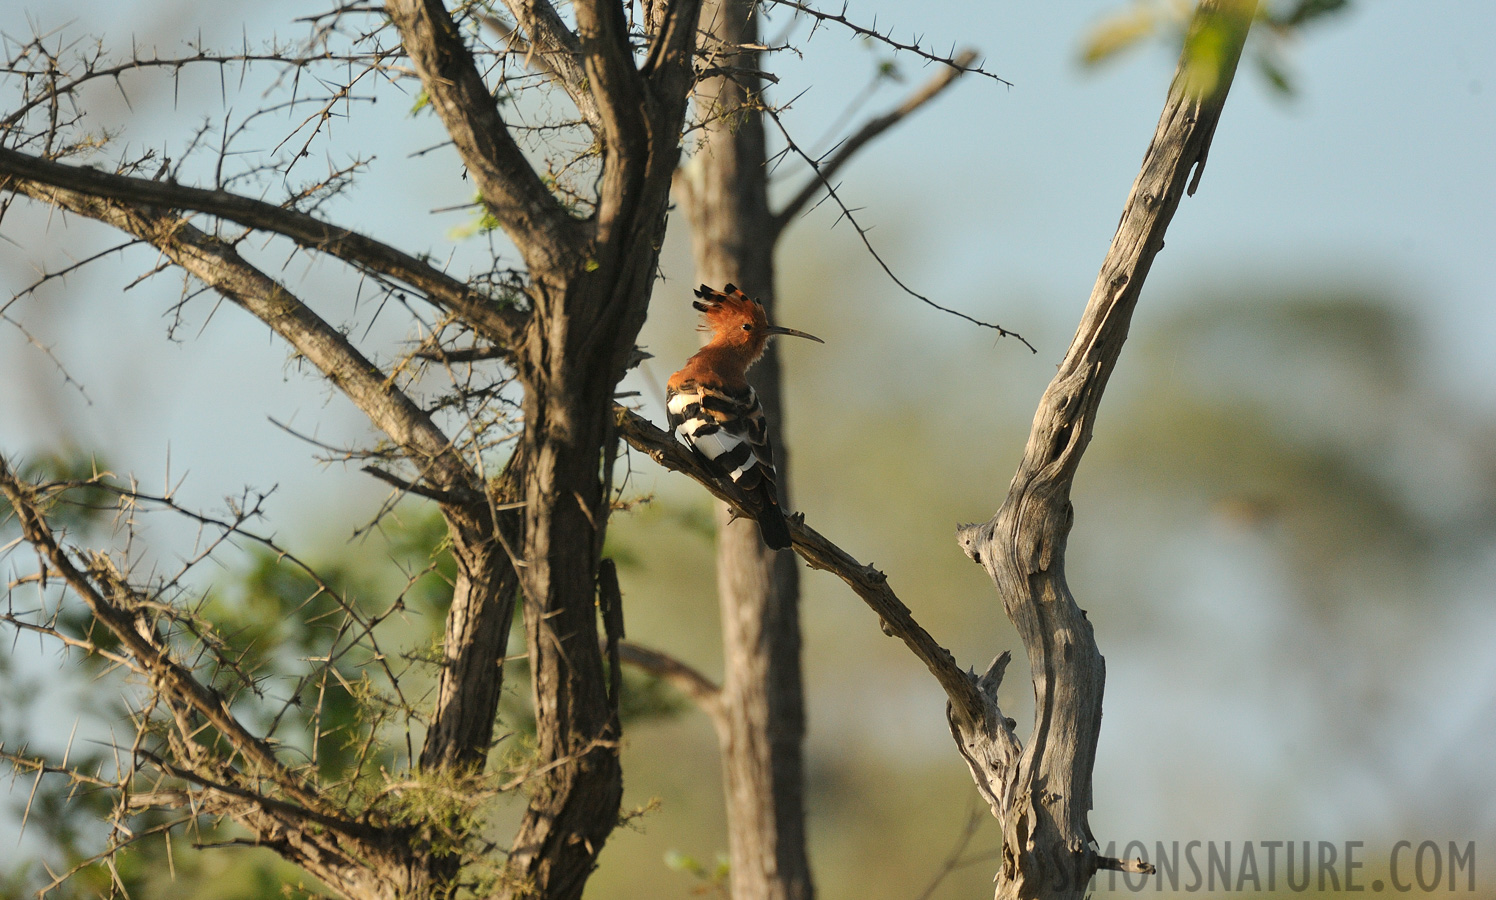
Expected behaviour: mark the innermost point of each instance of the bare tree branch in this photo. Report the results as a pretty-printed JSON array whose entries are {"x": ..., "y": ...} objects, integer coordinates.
[
  {"x": 545, "y": 233},
  {"x": 885, "y": 38},
  {"x": 550, "y": 45},
  {"x": 483, "y": 596},
  {"x": 867, "y": 582},
  {"x": 1132, "y": 866},
  {"x": 619, "y": 88},
  {"x": 684, "y": 678},
  {"x": 862, "y": 234},
  {"x": 220, "y": 266},
  {"x": 116, "y": 605},
  {"x": 494, "y": 321},
  {"x": 870, "y": 130}
]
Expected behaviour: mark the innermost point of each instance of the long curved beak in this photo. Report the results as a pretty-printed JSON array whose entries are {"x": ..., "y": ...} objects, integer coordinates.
[{"x": 775, "y": 329}]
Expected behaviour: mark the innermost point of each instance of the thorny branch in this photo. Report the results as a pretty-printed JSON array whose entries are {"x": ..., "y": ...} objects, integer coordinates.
[
  {"x": 871, "y": 32},
  {"x": 119, "y": 607},
  {"x": 220, "y": 266},
  {"x": 862, "y": 234},
  {"x": 495, "y": 320},
  {"x": 544, "y": 41},
  {"x": 870, "y": 130}
]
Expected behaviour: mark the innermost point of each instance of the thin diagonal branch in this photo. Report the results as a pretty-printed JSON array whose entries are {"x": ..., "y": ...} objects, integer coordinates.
[
  {"x": 684, "y": 678},
  {"x": 870, "y": 130},
  {"x": 220, "y": 266},
  {"x": 501, "y": 324},
  {"x": 886, "y": 38},
  {"x": 792, "y": 147},
  {"x": 867, "y": 582}
]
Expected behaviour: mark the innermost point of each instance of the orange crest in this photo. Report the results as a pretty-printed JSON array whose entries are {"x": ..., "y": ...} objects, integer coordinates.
[{"x": 728, "y": 311}]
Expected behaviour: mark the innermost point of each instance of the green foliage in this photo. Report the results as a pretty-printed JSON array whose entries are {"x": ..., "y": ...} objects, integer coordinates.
[
  {"x": 1167, "y": 22},
  {"x": 709, "y": 879},
  {"x": 445, "y": 808},
  {"x": 1126, "y": 28},
  {"x": 74, "y": 485}
]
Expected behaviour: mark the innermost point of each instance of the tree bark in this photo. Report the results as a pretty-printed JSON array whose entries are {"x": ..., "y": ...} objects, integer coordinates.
[
  {"x": 761, "y": 720},
  {"x": 1048, "y": 850}
]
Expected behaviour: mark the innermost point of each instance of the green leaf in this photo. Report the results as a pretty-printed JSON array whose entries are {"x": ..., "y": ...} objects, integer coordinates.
[
  {"x": 1119, "y": 31},
  {"x": 1306, "y": 11},
  {"x": 1275, "y": 74}
]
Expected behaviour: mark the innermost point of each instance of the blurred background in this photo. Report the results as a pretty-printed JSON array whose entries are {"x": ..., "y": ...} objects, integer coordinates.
[{"x": 1285, "y": 525}]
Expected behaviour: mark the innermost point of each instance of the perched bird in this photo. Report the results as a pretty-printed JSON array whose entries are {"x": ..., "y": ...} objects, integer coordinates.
[{"x": 717, "y": 414}]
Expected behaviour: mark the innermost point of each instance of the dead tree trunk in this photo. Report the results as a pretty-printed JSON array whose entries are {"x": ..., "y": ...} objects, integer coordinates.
[{"x": 1044, "y": 796}]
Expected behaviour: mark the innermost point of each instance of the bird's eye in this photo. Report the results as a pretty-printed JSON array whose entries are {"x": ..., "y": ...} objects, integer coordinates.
[{"x": 747, "y": 327}]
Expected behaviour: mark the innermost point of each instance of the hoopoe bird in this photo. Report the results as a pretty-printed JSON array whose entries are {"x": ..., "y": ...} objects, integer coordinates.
[{"x": 715, "y": 411}]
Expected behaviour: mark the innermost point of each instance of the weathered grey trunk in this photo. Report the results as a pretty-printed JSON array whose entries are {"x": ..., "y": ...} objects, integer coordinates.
[
  {"x": 1044, "y": 796},
  {"x": 761, "y": 724}
]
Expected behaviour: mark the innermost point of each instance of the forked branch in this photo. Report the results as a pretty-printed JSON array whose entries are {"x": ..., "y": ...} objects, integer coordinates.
[
  {"x": 550, "y": 46},
  {"x": 217, "y": 264},
  {"x": 513, "y": 192},
  {"x": 1048, "y": 849}
]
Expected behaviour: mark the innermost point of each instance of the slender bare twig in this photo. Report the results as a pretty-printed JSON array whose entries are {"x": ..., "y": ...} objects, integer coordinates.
[
  {"x": 871, "y": 32},
  {"x": 870, "y": 130},
  {"x": 975, "y": 816},
  {"x": 543, "y": 40},
  {"x": 846, "y": 213}
]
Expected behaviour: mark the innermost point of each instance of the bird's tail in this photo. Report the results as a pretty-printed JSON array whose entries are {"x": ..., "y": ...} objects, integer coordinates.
[{"x": 771, "y": 525}]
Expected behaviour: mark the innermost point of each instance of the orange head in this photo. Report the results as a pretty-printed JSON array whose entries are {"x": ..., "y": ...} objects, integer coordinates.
[{"x": 738, "y": 322}]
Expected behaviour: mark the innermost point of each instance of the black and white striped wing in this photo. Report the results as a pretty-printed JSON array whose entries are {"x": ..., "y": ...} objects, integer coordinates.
[{"x": 727, "y": 428}]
